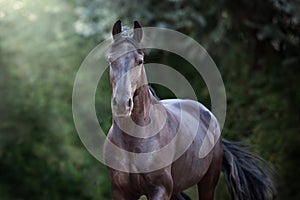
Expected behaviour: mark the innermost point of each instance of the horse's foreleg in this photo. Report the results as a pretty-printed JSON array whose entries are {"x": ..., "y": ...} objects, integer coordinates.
[
  {"x": 162, "y": 183},
  {"x": 119, "y": 194},
  {"x": 180, "y": 196},
  {"x": 159, "y": 193}
]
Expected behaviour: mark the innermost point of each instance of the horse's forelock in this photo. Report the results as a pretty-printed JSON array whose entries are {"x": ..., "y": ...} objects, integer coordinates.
[{"x": 126, "y": 32}]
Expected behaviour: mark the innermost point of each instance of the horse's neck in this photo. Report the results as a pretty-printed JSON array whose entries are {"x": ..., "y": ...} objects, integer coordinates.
[{"x": 141, "y": 106}]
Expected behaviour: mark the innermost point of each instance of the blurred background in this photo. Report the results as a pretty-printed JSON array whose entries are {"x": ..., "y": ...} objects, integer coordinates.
[{"x": 255, "y": 45}]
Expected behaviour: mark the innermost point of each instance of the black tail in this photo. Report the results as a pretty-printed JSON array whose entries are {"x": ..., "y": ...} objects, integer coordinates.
[{"x": 245, "y": 178}]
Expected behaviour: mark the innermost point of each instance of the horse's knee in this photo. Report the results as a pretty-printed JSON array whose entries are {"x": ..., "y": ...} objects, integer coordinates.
[
  {"x": 161, "y": 184},
  {"x": 160, "y": 193}
]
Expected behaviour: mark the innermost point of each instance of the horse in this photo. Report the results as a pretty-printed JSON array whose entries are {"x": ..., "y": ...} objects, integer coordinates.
[{"x": 133, "y": 102}]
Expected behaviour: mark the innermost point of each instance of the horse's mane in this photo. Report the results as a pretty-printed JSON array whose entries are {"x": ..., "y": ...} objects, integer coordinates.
[
  {"x": 152, "y": 91},
  {"x": 126, "y": 32},
  {"x": 125, "y": 35}
]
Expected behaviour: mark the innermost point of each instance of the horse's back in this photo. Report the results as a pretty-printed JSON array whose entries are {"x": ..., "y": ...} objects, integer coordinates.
[
  {"x": 193, "y": 116},
  {"x": 198, "y": 132}
]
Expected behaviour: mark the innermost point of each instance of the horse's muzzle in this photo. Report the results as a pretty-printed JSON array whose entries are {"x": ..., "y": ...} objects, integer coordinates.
[{"x": 122, "y": 107}]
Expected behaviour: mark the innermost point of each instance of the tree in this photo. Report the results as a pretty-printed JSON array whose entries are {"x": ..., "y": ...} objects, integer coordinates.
[{"x": 41, "y": 156}]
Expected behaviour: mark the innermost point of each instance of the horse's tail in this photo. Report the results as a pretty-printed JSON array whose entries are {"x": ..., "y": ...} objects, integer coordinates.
[{"x": 245, "y": 178}]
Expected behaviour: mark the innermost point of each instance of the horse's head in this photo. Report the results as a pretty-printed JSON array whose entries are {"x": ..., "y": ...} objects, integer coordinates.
[{"x": 126, "y": 67}]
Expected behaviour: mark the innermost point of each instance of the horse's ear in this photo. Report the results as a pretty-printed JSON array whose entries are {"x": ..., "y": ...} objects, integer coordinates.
[
  {"x": 138, "y": 32},
  {"x": 116, "y": 29}
]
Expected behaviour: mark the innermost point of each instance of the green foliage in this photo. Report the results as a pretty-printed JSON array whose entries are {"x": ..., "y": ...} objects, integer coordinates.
[{"x": 40, "y": 152}]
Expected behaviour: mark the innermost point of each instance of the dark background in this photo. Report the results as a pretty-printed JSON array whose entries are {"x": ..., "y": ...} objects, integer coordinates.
[{"x": 255, "y": 45}]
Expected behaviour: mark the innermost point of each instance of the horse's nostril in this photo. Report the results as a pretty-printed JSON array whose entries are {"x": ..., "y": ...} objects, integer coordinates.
[{"x": 129, "y": 102}]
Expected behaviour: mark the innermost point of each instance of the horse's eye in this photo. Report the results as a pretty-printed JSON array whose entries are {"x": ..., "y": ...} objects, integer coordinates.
[
  {"x": 110, "y": 60},
  {"x": 140, "y": 51},
  {"x": 139, "y": 62},
  {"x": 113, "y": 63}
]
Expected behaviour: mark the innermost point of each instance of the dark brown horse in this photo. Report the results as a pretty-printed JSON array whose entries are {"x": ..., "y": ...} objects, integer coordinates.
[{"x": 165, "y": 176}]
